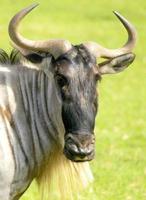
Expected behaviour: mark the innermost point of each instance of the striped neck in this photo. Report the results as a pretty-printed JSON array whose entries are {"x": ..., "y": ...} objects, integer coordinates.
[{"x": 43, "y": 111}]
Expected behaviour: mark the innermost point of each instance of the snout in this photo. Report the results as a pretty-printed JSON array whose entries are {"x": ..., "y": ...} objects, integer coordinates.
[{"x": 79, "y": 147}]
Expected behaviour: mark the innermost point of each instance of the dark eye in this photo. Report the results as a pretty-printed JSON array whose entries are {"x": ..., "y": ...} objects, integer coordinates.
[
  {"x": 61, "y": 80},
  {"x": 97, "y": 77}
]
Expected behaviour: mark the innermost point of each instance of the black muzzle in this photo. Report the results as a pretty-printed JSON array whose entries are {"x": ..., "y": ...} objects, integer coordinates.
[{"x": 79, "y": 147}]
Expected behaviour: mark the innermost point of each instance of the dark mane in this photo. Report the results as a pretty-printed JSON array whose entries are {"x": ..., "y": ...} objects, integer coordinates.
[{"x": 12, "y": 58}]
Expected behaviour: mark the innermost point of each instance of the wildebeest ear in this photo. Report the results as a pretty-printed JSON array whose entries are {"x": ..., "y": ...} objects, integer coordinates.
[
  {"x": 117, "y": 64},
  {"x": 34, "y": 58},
  {"x": 31, "y": 56}
]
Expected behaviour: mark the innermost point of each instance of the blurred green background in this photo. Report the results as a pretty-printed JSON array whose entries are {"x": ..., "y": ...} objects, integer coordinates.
[{"x": 120, "y": 165}]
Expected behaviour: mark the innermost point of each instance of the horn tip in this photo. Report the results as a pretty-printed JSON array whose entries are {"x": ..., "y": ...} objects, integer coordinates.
[
  {"x": 120, "y": 17},
  {"x": 116, "y": 13},
  {"x": 34, "y": 5}
]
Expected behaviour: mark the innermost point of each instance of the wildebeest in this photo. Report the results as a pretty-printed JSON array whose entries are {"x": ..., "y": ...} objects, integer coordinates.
[{"x": 52, "y": 107}]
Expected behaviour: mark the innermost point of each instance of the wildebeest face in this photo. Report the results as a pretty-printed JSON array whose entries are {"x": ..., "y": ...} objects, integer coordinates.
[{"x": 76, "y": 76}]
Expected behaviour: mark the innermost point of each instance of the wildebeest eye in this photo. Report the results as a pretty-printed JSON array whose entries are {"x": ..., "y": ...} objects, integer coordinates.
[
  {"x": 97, "y": 77},
  {"x": 61, "y": 80}
]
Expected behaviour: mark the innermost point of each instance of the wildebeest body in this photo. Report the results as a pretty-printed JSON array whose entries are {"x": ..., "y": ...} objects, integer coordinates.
[{"x": 52, "y": 105}]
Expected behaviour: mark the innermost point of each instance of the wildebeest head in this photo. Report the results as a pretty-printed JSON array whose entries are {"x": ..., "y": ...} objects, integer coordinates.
[{"x": 76, "y": 74}]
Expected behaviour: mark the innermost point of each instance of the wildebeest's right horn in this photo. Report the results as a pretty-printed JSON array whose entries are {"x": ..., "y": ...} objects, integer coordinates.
[
  {"x": 99, "y": 51},
  {"x": 55, "y": 46}
]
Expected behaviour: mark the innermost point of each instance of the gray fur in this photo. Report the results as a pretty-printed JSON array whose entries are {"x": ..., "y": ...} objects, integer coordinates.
[{"x": 27, "y": 127}]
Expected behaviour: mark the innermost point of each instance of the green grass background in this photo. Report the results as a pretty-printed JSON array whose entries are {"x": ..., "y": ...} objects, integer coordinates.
[{"x": 120, "y": 165}]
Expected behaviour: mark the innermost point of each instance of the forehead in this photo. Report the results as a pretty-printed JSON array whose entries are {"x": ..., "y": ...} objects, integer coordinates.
[{"x": 78, "y": 60}]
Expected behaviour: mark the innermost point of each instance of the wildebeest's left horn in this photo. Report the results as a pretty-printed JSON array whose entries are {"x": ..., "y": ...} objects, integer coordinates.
[
  {"x": 55, "y": 46},
  {"x": 99, "y": 51}
]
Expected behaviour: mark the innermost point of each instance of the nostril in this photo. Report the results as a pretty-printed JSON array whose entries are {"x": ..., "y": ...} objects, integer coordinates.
[
  {"x": 72, "y": 148},
  {"x": 79, "y": 151},
  {"x": 82, "y": 152},
  {"x": 85, "y": 151}
]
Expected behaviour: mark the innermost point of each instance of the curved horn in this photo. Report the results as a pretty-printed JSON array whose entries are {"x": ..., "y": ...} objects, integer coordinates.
[
  {"x": 99, "y": 51},
  {"x": 56, "y": 46}
]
